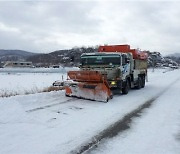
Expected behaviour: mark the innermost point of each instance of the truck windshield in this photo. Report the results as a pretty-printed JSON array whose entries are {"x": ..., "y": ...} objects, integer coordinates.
[{"x": 100, "y": 60}]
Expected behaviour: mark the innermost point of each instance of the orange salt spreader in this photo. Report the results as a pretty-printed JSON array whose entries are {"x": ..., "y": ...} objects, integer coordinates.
[{"x": 88, "y": 85}]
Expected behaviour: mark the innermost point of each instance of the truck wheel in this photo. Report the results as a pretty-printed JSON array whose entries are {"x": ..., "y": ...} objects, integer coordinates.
[
  {"x": 125, "y": 89},
  {"x": 143, "y": 81},
  {"x": 139, "y": 83}
]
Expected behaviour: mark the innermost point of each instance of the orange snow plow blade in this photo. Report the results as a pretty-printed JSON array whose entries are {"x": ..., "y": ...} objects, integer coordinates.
[{"x": 88, "y": 85}]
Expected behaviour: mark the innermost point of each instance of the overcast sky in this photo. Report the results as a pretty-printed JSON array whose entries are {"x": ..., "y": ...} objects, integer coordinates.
[{"x": 45, "y": 26}]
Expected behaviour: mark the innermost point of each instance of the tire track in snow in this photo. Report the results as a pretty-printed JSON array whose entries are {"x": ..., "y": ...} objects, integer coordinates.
[
  {"x": 51, "y": 105},
  {"x": 118, "y": 127}
]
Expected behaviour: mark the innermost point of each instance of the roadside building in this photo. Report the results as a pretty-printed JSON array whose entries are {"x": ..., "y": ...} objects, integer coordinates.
[{"x": 18, "y": 64}]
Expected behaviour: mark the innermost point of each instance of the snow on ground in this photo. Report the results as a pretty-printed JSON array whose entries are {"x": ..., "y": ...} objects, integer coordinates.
[
  {"x": 36, "y": 70},
  {"x": 49, "y": 123},
  {"x": 28, "y": 80},
  {"x": 21, "y": 83},
  {"x": 157, "y": 131}
]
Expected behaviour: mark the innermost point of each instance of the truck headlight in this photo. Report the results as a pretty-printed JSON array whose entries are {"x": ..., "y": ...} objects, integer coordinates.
[{"x": 113, "y": 82}]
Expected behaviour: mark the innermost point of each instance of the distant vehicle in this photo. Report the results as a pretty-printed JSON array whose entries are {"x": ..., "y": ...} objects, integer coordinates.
[
  {"x": 55, "y": 66},
  {"x": 174, "y": 67},
  {"x": 58, "y": 83}
]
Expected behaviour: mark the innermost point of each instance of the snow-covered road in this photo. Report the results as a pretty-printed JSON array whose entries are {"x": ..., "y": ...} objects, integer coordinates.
[
  {"x": 156, "y": 131},
  {"x": 53, "y": 123}
]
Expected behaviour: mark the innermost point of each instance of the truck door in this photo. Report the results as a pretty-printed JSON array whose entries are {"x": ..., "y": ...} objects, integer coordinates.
[{"x": 125, "y": 66}]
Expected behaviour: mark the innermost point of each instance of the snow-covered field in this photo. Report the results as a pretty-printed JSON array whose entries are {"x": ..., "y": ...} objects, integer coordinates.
[
  {"x": 15, "y": 81},
  {"x": 53, "y": 123}
]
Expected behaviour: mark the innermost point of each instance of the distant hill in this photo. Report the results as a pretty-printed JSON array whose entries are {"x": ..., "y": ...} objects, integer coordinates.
[
  {"x": 175, "y": 57},
  {"x": 71, "y": 57},
  {"x": 61, "y": 57},
  {"x": 14, "y": 55}
]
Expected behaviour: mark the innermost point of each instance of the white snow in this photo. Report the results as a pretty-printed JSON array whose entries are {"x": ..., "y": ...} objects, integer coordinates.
[
  {"x": 21, "y": 83},
  {"x": 62, "y": 126},
  {"x": 29, "y": 80},
  {"x": 157, "y": 131}
]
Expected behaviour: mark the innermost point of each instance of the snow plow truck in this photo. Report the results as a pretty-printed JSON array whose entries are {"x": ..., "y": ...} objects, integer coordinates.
[{"x": 113, "y": 68}]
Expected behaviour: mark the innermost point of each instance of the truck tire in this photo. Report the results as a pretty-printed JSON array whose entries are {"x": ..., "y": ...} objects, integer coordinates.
[
  {"x": 126, "y": 87},
  {"x": 139, "y": 83},
  {"x": 143, "y": 81},
  {"x": 119, "y": 87}
]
